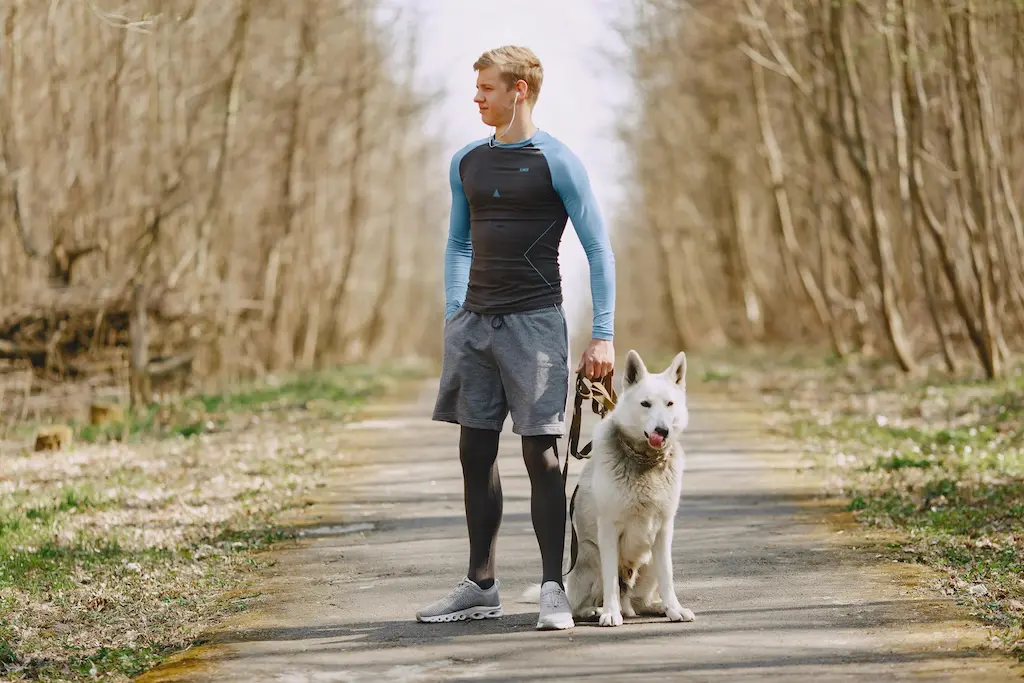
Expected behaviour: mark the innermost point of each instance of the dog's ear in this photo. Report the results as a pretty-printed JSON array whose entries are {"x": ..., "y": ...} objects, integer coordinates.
[
  {"x": 635, "y": 368},
  {"x": 677, "y": 369}
]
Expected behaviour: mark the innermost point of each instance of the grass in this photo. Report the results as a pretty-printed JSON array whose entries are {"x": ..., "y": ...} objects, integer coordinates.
[
  {"x": 328, "y": 392},
  {"x": 123, "y": 549},
  {"x": 938, "y": 462}
]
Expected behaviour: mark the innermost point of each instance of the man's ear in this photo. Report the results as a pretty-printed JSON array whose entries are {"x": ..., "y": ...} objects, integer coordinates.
[{"x": 522, "y": 89}]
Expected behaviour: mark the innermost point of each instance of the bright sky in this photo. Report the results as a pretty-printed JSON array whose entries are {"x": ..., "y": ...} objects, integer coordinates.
[{"x": 579, "y": 102}]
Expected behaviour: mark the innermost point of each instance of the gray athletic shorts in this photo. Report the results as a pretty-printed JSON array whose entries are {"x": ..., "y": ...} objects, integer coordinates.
[{"x": 515, "y": 363}]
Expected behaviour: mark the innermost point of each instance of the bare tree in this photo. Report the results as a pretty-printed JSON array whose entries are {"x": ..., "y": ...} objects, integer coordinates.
[
  {"x": 229, "y": 159},
  {"x": 890, "y": 139}
]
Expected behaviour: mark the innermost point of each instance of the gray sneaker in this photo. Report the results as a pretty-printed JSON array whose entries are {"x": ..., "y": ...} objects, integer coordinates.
[
  {"x": 555, "y": 613},
  {"x": 466, "y": 601}
]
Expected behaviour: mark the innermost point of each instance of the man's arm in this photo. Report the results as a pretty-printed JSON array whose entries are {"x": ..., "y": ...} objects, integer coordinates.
[
  {"x": 572, "y": 184},
  {"x": 458, "y": 256}
]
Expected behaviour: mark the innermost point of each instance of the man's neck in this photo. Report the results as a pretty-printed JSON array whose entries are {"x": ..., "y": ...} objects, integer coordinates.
[{"x": 521, "y": 129}]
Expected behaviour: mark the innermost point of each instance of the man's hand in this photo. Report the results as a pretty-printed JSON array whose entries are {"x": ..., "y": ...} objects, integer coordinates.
[{"x": 598, "y": 359}]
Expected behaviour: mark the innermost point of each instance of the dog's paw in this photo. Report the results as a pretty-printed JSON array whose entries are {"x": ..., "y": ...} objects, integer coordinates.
[
  {"x": 679, "y": 613},
  {"x": 611, "y": 618},
  {"x": 587, "y": 614},
  {"x": 627, "y": 610}
]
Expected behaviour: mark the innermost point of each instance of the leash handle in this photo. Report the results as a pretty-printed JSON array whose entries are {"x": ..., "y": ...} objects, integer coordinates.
[
  {"x": 602, "y": 394},
  {"x": 602, "y": 397}
]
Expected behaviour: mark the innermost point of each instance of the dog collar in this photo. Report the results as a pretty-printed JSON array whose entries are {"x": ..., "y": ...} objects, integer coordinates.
[{"x": 644, "y": 456}]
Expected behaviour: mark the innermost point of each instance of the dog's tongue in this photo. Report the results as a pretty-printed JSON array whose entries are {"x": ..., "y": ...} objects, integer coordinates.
[{"x": 656, "y": 440}]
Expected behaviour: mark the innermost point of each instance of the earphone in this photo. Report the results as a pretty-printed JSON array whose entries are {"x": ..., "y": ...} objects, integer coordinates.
[
  {"x": 514, "y": 102},
  {"x": 495, "y": 136}
]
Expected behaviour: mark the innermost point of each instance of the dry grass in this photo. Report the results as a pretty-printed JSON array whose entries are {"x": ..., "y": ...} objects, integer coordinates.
[
  {"x": 938, "y": 461},
  {"x": 116, "y": 553}
]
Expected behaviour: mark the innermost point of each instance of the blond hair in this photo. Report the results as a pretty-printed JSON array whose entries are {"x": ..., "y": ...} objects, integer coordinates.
[{"x": 515, "y": 63}]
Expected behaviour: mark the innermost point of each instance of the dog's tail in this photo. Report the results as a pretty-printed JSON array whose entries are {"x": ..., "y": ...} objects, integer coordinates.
[{"x": 531, "y": 594}]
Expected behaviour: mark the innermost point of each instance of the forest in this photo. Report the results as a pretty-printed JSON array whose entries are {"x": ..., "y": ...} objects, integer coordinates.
[
  {"x": 844, "y": 175},
  {"x": 218, "y": 190}
]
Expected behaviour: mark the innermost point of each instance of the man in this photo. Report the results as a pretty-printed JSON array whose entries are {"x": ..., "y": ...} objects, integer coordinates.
[{"x": 505, "y": 336}]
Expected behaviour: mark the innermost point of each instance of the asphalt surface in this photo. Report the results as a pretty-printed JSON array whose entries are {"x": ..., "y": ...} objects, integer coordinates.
[{"x": 779, "y": 592}]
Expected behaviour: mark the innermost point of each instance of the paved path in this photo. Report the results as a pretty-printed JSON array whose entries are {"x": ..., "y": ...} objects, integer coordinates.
[{"x": 777, "y": 597}]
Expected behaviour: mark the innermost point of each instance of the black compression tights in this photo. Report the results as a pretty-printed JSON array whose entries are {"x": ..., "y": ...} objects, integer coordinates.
[{"x": 478, "y": 451}]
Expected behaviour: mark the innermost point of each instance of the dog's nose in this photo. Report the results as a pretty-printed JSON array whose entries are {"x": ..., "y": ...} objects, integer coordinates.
[{"x": 661, "y": 431}]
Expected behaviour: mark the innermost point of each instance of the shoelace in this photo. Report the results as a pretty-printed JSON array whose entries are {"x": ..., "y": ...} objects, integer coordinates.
[
  {"x": 460, "y": 589},
  {"x": 551, "y": 599}
]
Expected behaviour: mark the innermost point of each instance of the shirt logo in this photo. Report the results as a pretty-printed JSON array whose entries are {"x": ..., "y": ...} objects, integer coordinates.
[
  {"x": 496, "y": 194},
  {"x": 523, "y": 170}
]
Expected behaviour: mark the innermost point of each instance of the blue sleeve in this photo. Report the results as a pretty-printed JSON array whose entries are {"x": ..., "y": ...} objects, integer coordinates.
[
  {"x": 572, "y": 184},
  {"x": 458, "y": 256}
]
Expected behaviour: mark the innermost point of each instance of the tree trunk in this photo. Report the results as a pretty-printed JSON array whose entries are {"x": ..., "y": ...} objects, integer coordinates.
[
  {"x": 907, "y": 135},
  {"x": 140, "y": 393},
  {"x": 882, "y": 241},
  {"x": 784, "y": 216},
  {"x": 975, "y": 204},
  {"x": 916, "y": 111}
]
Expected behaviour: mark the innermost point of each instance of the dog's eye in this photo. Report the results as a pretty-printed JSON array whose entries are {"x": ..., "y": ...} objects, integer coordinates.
[
  {"x": 669, "y": 403},
  {"x": 645, "y": 404}
]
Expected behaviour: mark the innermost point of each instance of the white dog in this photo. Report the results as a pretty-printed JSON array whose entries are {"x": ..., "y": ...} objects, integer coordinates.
[{"x": 625, "y": 506}]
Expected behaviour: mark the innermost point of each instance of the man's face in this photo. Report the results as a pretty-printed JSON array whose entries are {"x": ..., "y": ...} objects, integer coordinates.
[{"x": 494, "y": 97}]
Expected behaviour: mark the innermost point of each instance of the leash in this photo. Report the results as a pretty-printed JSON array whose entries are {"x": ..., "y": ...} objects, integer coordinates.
[{"x": 602, "y": 397}]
